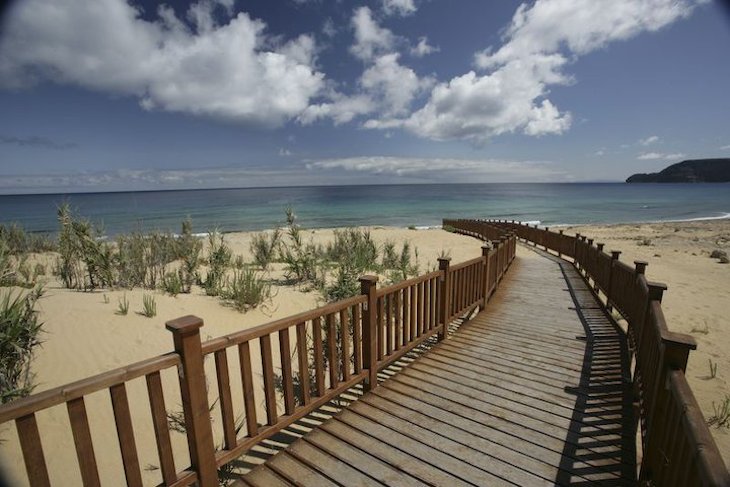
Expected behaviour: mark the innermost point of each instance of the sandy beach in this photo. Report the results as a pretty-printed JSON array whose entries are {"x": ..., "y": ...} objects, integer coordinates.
[{"x": 83, "y": 336}]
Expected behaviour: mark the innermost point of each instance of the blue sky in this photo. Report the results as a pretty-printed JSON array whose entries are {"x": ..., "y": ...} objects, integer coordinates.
[{"x": 115, "y": 95}]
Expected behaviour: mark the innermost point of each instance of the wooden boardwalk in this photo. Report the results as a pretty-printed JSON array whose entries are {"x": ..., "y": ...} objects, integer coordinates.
[{"x": 532, "y": 391}]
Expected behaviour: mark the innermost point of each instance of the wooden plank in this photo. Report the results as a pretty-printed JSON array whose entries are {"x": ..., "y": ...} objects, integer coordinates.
[
  {"x": 429, "y": 432},
  {"x": 303, "y": 357},
  {"x": 82, "y": 441},
  {"x": 413, "y": 459},
  {"x": 263, "y": 476},
  {"x": 249, "y": 399},
  {"x": 30, "y": 445},
  {"x": 345, "y": 344},
  {"x": 162, "y": 432},
  {"x": 224, "y": 396},
  {"x": 267, "y": 365},
  {"x": 337, "y": 470},
  {"x": 332, "y": 351},
  {"x": 357, "y": 458},
  {"x": 125, "y": 434},
  {"x": 298, "y": 473},
  {"x": 318, "y": 356},
  {"x": 388, "y": 303},
  {"x": 286, "y": 371}
]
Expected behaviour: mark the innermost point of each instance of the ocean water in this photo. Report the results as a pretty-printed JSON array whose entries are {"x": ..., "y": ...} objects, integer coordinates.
[{"x": 394, "y": 205}]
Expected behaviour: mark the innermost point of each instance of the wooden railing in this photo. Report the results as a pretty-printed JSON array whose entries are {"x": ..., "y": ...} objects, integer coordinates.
[
  {"x": 678, "y": 448},
  {"x": 336, "y": 346}
]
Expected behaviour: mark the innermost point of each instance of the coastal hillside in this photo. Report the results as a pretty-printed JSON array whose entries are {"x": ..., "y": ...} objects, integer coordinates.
[{"x": 690, "y": 171}]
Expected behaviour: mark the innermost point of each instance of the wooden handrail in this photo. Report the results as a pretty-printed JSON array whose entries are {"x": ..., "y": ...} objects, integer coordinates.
[
  {"x": 351, "y": 339},
  {"x": 661, "y": 357}
]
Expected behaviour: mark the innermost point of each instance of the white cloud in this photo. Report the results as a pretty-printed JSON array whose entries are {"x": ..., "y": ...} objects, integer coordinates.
[
  {"x": 437, "y": 168},
  {"x": 580, "y": 26},
  {"x": 652, "y": 139},
  {"x": 475, "y": 107},
  {"x": 370, "y": 38},
  {"x": 341, "y": 109},
  {"x": 648, "y": 156},
  {"x": 423, "y": 48},
  {"x": 233, "y": 71},
  {"x": 600, "y": 153},
  {"x": 511, "y": 95},
  {"x": 395, "y": 85},
  {"x": 725, "y": 147},
  {"x": 399, "y": 7},
  {"x": 284, "y": 152}
]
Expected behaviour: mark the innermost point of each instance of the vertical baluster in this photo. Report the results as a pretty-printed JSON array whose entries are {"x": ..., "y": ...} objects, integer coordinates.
[
  {"x": 380, "y": 324},
  {"x": 125, "y": 434},
  {"x": 267, "y": 365},
  {"x": 357, "y": 337},
  {"x": 406, "y": 315},
  {"x": 224, "y": 395},
  {"x": 303, "y": 362},
  {"x": 162, "y": 432},
  {"x": 318, "y": 356},
  {"x": 82, "y": 441},
  {"x": 332, "y": 350},
  {"x": 399, "y": 318},
  {"x": 345, "y": 344},
  {"x": 419, "y": 308},
  {"x": 249, "y": 400},
  {"x": 30, "y": 444},
  {"x": 389, "y": 322},
  {"x": 286, "y": 372}
]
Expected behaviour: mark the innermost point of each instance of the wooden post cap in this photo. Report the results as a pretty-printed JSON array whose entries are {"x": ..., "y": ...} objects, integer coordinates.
[
  {"x": 444, "y": 262},
  {"x": 486, "y": 249},
  {"x": 368, "y": 279},
  {"x": 184, "y": 325},
  {"x": 590, "y": 241},
  {"x": 495, "y": 244},
  {"x": 600, "y": 246},
  {"x": 560, "y": 232},
  {"x": 640, "y": 266},
  {"x": 615, "y": 254}
]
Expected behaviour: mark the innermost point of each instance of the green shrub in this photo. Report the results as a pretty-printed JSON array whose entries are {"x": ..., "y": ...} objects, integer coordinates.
[
  {"x": 189, "y": 248},
  {"x": 18, "y": 340},
  {"x": 219, "y": 260},
  {"x": 264, "y": 247},
  {"x": 345, "y": 285},
  {"x": 246, "y": 290},
  {"x": 448, "y": 228},
  {"x": 390, "y": 257},
  {"x": 301, "y": 261},
  {"x": 172, "y": 283},
  {"x": 19, "y": 241}
]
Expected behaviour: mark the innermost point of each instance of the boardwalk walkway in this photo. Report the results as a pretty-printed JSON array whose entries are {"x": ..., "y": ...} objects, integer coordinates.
[{"x": 531, "y": 391}]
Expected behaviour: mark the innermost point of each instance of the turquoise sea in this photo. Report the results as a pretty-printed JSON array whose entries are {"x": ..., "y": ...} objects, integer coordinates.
[{"x": 392, "y": 205}]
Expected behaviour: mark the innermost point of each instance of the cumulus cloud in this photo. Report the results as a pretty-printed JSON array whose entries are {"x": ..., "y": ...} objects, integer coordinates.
[
  {"x": 440, "y": 168},
  {"x": 395, "y": 85},
  {"x": 648, "y": 156},
  {"x": 232, "y": 71},
  {"x": 652, "y": 139},
  {"x": 423, "y": 48},
  {"x": 370, "y": 38},
  {"x": 399, "y": 7},
  {"x": 509, "y": 92}
]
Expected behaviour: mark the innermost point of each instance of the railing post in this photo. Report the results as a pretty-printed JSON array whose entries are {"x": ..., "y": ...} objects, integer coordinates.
[
  {"x": 368, "y": 287},
  {"x": 199, "y": 432},
  {"x": 576, "y": 243},
  {"x": 560, "y": 247},
  {"x": 609, "y": 293},
  {"x": 444, "y": 264},
  {"x": 547, "y": 237},
  {"x": 485, "y": 284},
  {"x": 595, "y": 268}
]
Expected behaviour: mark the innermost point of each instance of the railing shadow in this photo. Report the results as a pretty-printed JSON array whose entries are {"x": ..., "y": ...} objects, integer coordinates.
[{"x": 600, "y": 446}]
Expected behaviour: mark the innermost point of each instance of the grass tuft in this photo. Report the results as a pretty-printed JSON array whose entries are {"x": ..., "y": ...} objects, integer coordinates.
[
  {"x": 123, "y": 306},
  {"x": 149, "y": 306}
]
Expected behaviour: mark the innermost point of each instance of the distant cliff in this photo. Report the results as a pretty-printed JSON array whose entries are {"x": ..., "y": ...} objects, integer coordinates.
[{"x": 692, "y": 171}]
